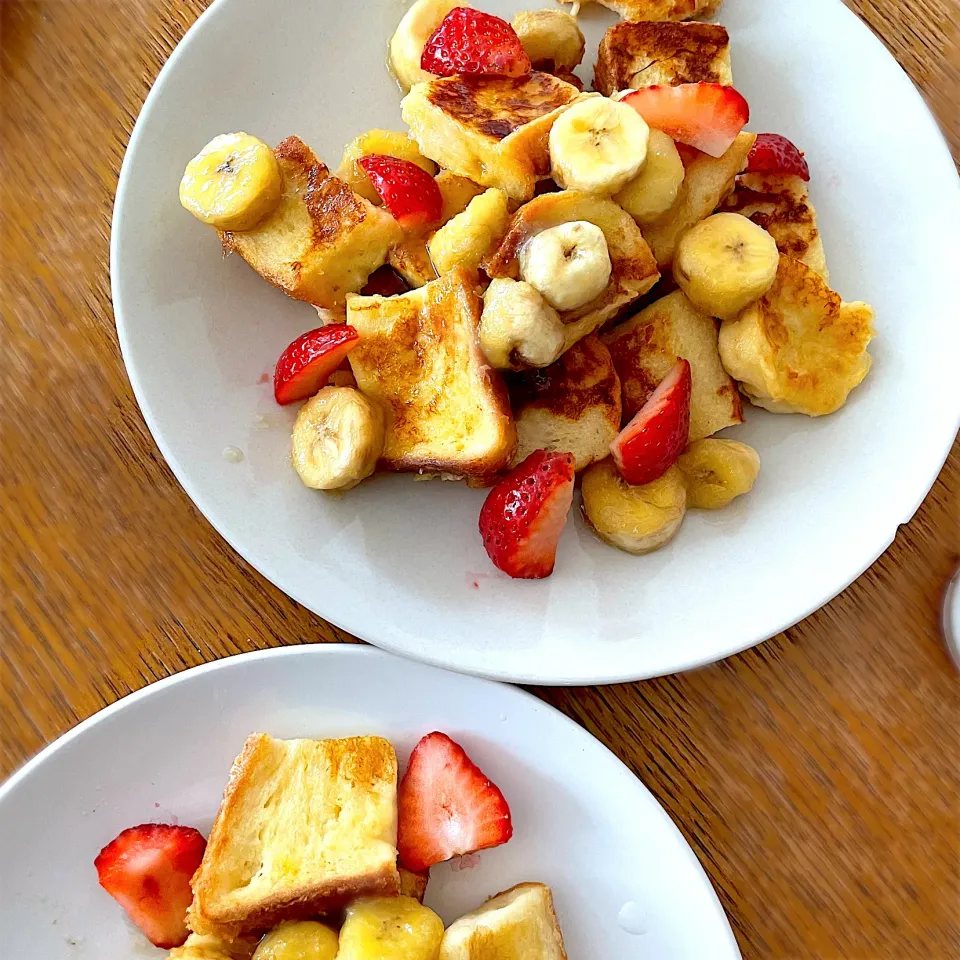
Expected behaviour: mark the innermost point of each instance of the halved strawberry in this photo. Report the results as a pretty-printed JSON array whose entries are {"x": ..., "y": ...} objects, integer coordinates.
[
  {"x": 649, "y": 445},
  {"x": 407, "y": 191},
  {"x": 147, "y": 870},
  {"x": 707, "y": 116},
  {"x": 473, "y": 42},
  {"x": 446, "y": 806},
  {"x": 306, "y": 365},
  {"x": 524, "y": 514},
  {"x": 773, "y": 153}
]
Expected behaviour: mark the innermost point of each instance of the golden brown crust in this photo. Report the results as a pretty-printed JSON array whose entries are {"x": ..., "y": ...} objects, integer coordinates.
[
  {"x": 662, "y": 9},
  {"x": 413, "y": 883},
  {"x": 497, "y": 106},
  {"x": 695, "y": 53},
  {"x": 418, "y": 356},
  {"x": 359, "y": 762}
]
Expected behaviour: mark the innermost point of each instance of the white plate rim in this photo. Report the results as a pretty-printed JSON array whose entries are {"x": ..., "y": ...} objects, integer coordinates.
[
  {"x": 575, "y": 732},
  {"x": 352, "y": 620}
]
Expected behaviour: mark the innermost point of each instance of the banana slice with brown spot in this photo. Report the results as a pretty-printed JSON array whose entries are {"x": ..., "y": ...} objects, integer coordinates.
[
  {"x": 518, "y": 328},
  {"x": 233, "y": 183},
  {"x": 634, "y": 519},
  {"x": 718, "y": 471},
  {"x": 338, "y": 437}
]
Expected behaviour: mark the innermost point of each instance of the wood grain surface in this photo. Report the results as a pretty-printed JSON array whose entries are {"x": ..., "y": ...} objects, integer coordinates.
[{"x": 816, "y": 776}]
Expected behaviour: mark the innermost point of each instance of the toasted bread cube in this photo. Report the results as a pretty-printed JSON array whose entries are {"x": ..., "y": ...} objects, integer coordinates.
[
  {"x": 708, "y": 180},
  {"x": 635, "y": 55},
  {"x": 492, "y": 130},
  {"x": 213, "y": 947},
  {"x": 646, "y": 347},
  {"x": 304, "y": 827},
  {"x": 659, "y": 9},
  {"x": 572, "y": 406},
  {"x": 799, "y": 348},
  {"x": 518, "y": 924},
  {"x": 322, "y": 241},
  {"x": 634, "y": 269},
  {"x": 447, "y": 410},
  {"x": 457, "y": 192},
  {"x": 781, "y": 205},
  {"x": 413, "y": 883}
]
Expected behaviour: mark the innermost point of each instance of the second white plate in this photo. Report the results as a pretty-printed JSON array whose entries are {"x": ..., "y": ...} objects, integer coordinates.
[{"x": 627, "y": 886}]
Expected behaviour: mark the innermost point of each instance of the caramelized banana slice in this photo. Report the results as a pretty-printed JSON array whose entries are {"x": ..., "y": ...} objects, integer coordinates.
[
  {"x": 718, "y": 471},
  {"x": 298, "y": 940},
  {"x": 232, "y": 183},
  {"x": 377, "y": 928},
  {"x": 634, "y": 519}
]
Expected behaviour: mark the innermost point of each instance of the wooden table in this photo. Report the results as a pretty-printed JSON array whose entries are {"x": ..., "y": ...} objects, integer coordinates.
[{"x": 817, "y": 776}]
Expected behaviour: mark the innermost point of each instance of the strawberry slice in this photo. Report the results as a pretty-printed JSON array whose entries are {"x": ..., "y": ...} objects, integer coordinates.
[
  {"x": 446, "y": 806},
  {"x": 306, "y": 365},
  {"x": 147, "y": 870},
  {"x": 707, "y": 116},
  {"x": 649, "y": 445},
  {"x": 473, "y": 42},
  {"x": 407, "y": 191},
  {"x": 524, "y": 514},
  {"x": 775, "y": 154}
]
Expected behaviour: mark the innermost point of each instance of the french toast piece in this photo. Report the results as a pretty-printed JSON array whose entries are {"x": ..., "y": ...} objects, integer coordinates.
[
  {"x": 781, "y": 205},
  {"x": 706, "y": 183},
  {"x": 518, "y": 924},
  {"x": 492, "y": 130},
  {"x": 659, "y": 9},
  {"x": 413, "y": 883},
  {"x": 447, "y": 410},
  {"x": 799, "y": 348},
  {"x": 213, "y": 947},
  {"x": 572, "y": 406},
  {"x": 646, "y": 347},
  {"x": 304, "y": 827},
  {"x": 635, "y": 55},
  {"x": 323, "y": 240},
  {"x": 634, "y": 268}
]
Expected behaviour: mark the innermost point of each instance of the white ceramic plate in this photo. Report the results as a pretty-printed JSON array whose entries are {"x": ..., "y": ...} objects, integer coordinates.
[
  {"x": 582, "y": 822},
  {"x": 400, "y": 563}
]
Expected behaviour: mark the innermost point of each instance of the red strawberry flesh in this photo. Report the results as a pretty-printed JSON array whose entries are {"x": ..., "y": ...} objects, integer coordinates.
[
  {"x": 707, "y": 116},
  {"x": 775, "y": 154},
  {"x": 307, "y": 363},
  {"x": 147, "y": 870},
  {"x": 469, "y": 41},
  {"x": 407, "y": 191},
  {"x": 652, "y": 441},
  {"x": 446, "y": 806},
  {"x": 524, "y": 514}
]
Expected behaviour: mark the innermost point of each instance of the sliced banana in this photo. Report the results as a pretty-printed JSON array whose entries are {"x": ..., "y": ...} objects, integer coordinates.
[
  {"x": 653, "y": 191},
  {"x": 550, "y": 35},
  {"x": 337, "y": 439},
  {"x": 569, "y": 264},
  {"x": 411, "y": 36},
  {"x": 232, "y": 183},
  {"x": 598, "y": 146},
  {"x": 298, "y": 940},
  {"x": 471, "y": 235},
  {"x": 718, "y": 471},
  {"x": 725, "y": 263},
  {"x": 634, "y": 519},
  {"x": 518, "y": 328},
  {"x": 389, "y": 143}
]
